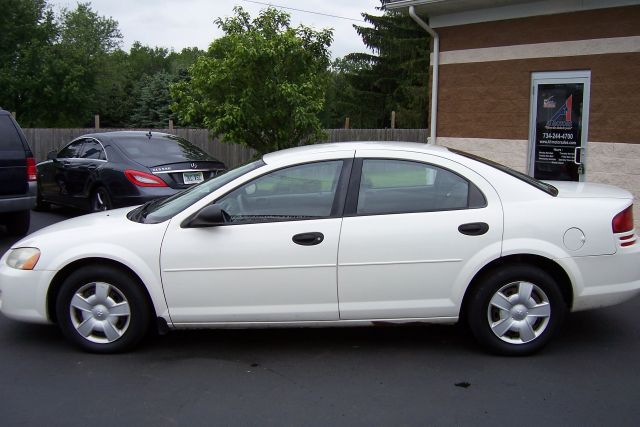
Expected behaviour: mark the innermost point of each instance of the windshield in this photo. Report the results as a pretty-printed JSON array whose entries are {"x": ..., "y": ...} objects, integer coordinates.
[
  {"x": 547, "y": 188},
  {"x": 161, "y": 210}
]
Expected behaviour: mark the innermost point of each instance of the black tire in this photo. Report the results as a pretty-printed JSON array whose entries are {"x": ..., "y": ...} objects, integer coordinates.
[
  {"x": 17, "y": 223},
  {"x": 513, "y": 324},
  {"x": 41, "y": 205},
  {"x": 98, "y": 322},
  {"x": 100, "y": 200}
]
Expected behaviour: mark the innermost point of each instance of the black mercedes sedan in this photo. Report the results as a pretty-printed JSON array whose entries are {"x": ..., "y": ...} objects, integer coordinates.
[{"x": 108, "y": 170}]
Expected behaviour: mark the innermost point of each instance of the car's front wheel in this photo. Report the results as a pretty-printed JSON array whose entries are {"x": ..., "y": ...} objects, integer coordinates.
[
  {"x": 102, "y": 309},
  {"x": 515, "y": 310}
]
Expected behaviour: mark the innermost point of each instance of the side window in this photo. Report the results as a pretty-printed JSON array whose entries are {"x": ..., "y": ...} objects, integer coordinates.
[
  {"x": 92, "y": 150},
  {"x": 297, "y": 192},
  {"x": 399, "y": 186},
  {"x": 71, "y": 151}
]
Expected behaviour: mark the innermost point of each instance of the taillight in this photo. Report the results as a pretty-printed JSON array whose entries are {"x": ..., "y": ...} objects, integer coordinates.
[
  {"x": 31, "y": 169},
  {"x": 144, "y": 179},
  {"x": 623, "y": 221}
]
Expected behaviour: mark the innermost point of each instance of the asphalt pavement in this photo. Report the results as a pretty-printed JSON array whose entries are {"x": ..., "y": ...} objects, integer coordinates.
[{"x": 405, "y": 375}]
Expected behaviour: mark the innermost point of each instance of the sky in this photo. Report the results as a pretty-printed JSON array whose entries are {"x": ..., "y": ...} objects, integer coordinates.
[{"x": 185, "y": 23}]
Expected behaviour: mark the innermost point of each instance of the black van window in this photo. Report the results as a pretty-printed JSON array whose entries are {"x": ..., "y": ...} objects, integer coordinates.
[{"x": 9, "y": 137}]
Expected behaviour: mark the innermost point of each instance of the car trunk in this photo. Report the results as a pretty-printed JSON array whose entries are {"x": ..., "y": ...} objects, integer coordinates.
[
  {"x": 184, "y": 174},
  {"x": 570, "y": 189}
]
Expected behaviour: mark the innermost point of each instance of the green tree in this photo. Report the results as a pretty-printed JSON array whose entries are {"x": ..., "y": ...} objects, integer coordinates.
[
  {"x": 86, "y": 39},
  {"x": 27, "y": 33},
  {"x": 262, "y": 84},
  {"x": 179, "y": 62},
  {"x": 145, "y": 60},
  {"x": 153, "y": 100}
]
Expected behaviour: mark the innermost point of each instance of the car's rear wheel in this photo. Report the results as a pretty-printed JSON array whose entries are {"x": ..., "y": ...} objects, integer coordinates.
[
  {"x": 103, "y": 310},
  {"x": 17, "y": 223},
  {"x": 515, "y": 310},
  {"x": 100, "y": 200}
]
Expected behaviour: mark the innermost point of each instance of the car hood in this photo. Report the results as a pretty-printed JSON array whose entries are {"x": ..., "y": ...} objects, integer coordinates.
[
  {"x": 85, "y": 225},
  {"x": 569, "y": 189},
  {"x": 100, "y": 235}
]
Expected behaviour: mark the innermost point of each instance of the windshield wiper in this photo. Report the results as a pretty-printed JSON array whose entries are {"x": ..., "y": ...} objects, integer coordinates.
[{"x": 140, "y": 213}]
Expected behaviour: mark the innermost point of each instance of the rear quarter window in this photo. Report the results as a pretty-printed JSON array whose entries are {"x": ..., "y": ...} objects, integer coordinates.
[{"x": 9, "y": 137}]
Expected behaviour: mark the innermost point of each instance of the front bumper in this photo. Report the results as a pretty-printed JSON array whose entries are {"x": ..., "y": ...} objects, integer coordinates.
[{"x": 23, "y": 293}]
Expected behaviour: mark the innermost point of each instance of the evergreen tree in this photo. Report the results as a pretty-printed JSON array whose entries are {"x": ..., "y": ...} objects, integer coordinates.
[
  {"x": 153, "y": 101},
  {"x": 394, "y": 77}
]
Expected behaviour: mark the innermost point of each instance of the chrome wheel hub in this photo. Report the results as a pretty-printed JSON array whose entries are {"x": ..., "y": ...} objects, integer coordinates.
[
  {"x": 519, "y": 312},
  {"x": 100, "y": 312},
  {"x": 99, "y": 202}
]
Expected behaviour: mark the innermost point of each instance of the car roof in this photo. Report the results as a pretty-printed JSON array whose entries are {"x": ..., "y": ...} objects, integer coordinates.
[{"x": 283, "y": 155}]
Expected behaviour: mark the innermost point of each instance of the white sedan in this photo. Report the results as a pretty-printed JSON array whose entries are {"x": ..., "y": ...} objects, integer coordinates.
[{"x": 332, "y": 235}]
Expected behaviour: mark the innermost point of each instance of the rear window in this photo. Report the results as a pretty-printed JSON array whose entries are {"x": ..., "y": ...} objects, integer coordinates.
[
  {"x": 171, "y": 148},
  {"x": 9, "y": 137},
  {"x": 543, "y": 186}
]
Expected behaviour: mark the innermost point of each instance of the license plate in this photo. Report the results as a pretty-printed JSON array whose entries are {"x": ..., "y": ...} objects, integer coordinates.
[{"x": 192, "y": 177}]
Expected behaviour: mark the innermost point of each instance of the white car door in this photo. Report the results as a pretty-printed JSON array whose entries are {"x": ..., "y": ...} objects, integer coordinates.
[
  {"x": 274, "y": 261},
  {"x": 417, "y": 227}
]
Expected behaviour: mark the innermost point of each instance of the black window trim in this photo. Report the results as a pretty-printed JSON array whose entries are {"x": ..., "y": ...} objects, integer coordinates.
[
  {"x": 337, "y": 208},
  {"x": 351, "y": 205}
]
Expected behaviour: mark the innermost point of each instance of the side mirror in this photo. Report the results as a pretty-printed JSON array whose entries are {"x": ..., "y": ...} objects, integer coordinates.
[
  {"x": 52, "y": 155},
  {"x": 209, "y": 216}
]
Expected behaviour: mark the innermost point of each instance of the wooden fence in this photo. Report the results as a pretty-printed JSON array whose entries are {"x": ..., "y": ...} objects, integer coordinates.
[{"x": 44, "y": 140}]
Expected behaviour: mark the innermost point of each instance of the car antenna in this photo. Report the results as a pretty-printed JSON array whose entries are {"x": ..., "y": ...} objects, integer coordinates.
[{"x": 149, "y": 134}]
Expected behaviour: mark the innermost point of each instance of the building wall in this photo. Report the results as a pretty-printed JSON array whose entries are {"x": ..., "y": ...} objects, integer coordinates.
[
  {"x": 492, "y": 99},
  {"x": 585, "y": 25},
  {"x": 485, "y": 86}
]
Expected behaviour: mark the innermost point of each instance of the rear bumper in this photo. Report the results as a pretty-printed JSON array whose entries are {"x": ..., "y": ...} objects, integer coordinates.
[
  {"x": 605, "y": 280},
  {"x": 21, "y": 202},
  {"x": 144, "y": 195}
]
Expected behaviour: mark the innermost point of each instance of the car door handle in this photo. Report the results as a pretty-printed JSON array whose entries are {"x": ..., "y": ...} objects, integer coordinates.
[
  {"x": 308, "y": 239},
  {"x": 474, "y": 228},
  {"x": 92, "y": 167}
]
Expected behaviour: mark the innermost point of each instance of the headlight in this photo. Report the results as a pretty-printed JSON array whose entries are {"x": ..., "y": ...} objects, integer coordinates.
[{"x": 23, "y": 258}]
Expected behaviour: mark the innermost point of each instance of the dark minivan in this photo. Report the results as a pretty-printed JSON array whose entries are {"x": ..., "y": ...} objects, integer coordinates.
[{"x": 17, "y": 177}]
